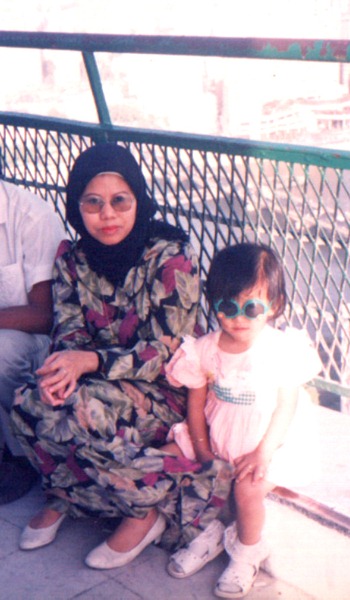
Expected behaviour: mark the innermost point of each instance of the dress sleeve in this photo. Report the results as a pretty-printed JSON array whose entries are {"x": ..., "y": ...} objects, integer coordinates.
[
  {"x": 69, "y": 331},
  {"x": 172, "y": 288},
  {"x": 184, "y": 368}
]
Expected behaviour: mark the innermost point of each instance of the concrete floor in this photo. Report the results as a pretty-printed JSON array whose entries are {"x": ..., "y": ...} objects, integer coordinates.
[{"x": 57, "y": 572}]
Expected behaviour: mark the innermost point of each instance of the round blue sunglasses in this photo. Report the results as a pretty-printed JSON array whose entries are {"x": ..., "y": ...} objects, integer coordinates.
[{"x": 252, "y": 309}]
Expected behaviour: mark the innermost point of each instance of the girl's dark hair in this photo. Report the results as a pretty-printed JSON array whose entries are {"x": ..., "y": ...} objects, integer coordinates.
[{"x": 241, "y": 267}]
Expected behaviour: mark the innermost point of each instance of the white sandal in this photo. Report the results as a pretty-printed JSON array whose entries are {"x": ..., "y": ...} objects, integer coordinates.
[
  {"x": 204, "y": 548},
  {"x": 243, "y": 569}
]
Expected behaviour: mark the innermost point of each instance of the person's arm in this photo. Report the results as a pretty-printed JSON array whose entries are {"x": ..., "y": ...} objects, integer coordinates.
[
  {"x": 35, "y": 232},
  {"x": 296, "y": 362},
  {"x": 197, "y": 424},
  {"x": 257, "y": 462},
  {"x": 36, "y": 316},
  {"x": 175, "y": 296},
  {"x": 70, "y": 330},
  {"x": 72, "y": 352}
]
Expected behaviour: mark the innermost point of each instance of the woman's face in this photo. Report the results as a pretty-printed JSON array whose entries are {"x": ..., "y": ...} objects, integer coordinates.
[{"x": 108, "y": 226}]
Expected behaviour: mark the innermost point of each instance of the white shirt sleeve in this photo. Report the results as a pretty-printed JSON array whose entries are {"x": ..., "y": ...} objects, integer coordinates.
[{"x": 41, "y": 234}]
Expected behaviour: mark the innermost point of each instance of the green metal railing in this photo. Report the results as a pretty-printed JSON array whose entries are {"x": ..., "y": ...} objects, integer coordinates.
[{"x": 221, "y": 190}]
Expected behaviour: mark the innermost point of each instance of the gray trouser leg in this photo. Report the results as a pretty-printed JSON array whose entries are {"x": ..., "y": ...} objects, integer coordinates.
[{"x": 20, "y": 355}]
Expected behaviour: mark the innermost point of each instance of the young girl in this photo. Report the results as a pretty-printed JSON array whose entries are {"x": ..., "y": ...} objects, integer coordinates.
[{"x": 245, "y": 405}]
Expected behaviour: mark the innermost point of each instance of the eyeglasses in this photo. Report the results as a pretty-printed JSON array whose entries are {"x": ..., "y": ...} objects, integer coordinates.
[
  {"x": 252, "y": 309},
  {"x": 94, "y": 204}
]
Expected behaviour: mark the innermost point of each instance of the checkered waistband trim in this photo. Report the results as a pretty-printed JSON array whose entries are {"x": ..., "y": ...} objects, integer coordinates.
[{"x": 225, "y": 394}]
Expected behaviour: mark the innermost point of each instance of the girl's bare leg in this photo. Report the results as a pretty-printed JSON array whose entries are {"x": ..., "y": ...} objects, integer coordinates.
[{"x": 249, "y": 498}]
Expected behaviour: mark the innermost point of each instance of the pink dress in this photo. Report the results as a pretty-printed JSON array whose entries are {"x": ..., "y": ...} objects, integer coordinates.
[{"x": 242, "y": 396}]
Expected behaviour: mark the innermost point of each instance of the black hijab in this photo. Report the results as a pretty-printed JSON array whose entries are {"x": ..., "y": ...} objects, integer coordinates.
[{"x": 114, "y": 261}]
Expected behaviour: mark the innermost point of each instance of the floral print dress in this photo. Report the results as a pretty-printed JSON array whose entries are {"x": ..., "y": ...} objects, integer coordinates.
[{"x": 99, "y": 453}]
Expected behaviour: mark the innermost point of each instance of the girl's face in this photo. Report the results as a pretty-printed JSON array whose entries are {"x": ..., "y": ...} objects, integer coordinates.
[
  {"x": 108, "y": 225},
  {"x": 239, "y": 333}
]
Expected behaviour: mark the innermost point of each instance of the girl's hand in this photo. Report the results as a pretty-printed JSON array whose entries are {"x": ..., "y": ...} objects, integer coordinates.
[
  {"x": 204, "y": 456},
  {"x": 254, "y": 464},
  {"x": 60, "y": 372}
]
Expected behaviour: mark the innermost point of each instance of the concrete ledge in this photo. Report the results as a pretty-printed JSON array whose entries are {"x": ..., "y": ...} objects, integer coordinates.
[
  {"x": 309, "y": 555},
  {"x": 309, "y": 529},
  {"x": 313, "y": 510}
]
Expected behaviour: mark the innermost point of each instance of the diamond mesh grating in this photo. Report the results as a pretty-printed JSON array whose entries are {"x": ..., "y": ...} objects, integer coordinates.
[{"x": 301, "y": 211}]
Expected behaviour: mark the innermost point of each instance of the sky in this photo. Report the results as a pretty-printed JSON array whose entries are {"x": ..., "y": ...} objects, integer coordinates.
[
  {"x": 262, "y": 18},
  {"x": 135, "y": 91}
]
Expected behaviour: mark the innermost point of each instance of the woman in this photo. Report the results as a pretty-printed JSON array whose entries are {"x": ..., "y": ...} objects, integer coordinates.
[{"x": 124, "y": 295}]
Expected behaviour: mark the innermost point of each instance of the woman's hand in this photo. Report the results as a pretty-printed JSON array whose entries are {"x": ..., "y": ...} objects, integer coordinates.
[
  {"x": 60, "y": 372},
  {"x": 254, "y": 463}
]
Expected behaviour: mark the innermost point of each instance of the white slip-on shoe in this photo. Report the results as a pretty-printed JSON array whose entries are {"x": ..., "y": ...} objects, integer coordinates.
[
  {"x": 103, "y": 557},
  {"x": 36, "y": 538}
]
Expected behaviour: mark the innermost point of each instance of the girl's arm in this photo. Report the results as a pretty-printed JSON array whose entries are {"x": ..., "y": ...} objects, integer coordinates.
[
  {"x": 197, "y": 424},
  {"x": 256, "y": 462}
]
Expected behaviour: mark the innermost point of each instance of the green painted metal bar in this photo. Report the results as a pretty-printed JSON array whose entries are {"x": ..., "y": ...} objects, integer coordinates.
[
  {"x": 96, "y": 88},
  {"x": 294, "y": 196},
  {"x": 293, "y": 153},
  {"x": 261, "y": 48},
  {"x": 331, "y": 386}
]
